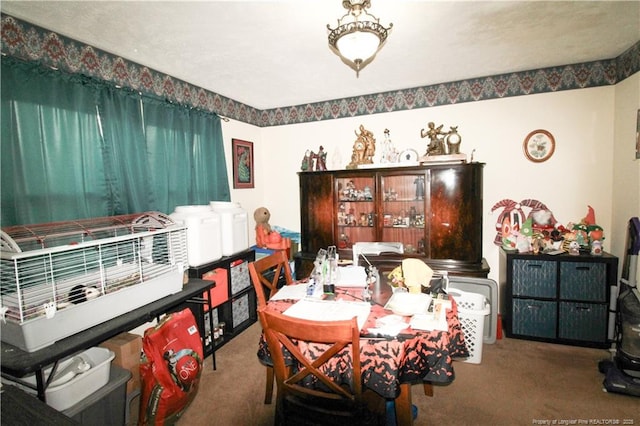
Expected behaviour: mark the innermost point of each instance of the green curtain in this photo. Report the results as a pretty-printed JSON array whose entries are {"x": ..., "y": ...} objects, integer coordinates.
[
  {"x": 208, "y": 159},
  {"x": 175, "y": 133},
  {"x": 125, "y": 151},
  {"x": 52, "y": 166},
  {"x": 74, "y": 147},
  {"x": 169, "y": 146}
]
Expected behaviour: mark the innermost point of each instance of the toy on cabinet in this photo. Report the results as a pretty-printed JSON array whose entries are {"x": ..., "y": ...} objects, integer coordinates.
[{"x": 265, "y": 236}]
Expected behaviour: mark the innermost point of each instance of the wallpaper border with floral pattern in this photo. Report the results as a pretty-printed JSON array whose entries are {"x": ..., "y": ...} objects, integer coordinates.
[{"x": 29, "y": 42}]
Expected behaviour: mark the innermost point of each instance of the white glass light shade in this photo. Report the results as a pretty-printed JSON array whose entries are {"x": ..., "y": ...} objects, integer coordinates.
[
  {"x": 358, "y": 45},
  {"x": 358, "y": 36}
]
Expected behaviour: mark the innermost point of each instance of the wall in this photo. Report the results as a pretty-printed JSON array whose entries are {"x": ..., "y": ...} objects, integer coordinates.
[
  {"x": 594, "y": 129},
  {"x": 249, "y": 199},
  {"x": 626, "y": 173},
  {"x": 580, "y": 173}
]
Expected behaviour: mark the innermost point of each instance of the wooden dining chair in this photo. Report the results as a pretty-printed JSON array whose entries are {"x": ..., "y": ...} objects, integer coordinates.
[
  {"x": 266, "y": 273},
  {"x": 328, "y": 401}
]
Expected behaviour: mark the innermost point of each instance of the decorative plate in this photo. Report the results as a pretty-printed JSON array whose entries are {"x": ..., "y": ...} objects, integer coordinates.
[
  {"x": 408, "y": 156},
  {"x": 539, "y": 146}
]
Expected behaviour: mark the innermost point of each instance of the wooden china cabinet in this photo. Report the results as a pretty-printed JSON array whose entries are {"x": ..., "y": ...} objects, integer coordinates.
[{"x": 435, "y": 211}]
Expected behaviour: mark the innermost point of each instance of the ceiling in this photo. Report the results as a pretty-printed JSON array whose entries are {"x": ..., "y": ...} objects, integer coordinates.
[{"x": 269, "y": 54}]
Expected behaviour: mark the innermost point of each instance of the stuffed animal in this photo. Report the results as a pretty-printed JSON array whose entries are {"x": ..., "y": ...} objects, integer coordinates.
[
  {"x": 265, "y": 236},
  {"x": 262, "y": 216}
]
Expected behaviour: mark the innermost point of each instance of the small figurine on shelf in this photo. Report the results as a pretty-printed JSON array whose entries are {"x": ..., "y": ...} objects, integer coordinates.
[
  {"x": 574, "y": 248},
  {"x": 307, "y": 162},
  {"x": 366, "y": 193},
  {"x": 596, "y": 248},
  {"x": 419, "y": 187},
  {"x": 321, "y": 159},
  {"x": 343, "y": 242}
]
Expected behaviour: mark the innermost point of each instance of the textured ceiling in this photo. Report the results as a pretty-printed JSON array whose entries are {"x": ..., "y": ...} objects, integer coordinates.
[{"x": 269, "y": 54}]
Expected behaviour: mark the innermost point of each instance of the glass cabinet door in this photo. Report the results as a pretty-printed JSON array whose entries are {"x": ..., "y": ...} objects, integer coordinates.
[
  {"x": 403, "y": 217},
  {"x": 455, "y": 211},
  {"x": 355, "y": 210}
]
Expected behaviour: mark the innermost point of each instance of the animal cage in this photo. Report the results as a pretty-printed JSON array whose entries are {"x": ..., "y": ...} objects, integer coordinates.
[{"x": 58, "y": 279}]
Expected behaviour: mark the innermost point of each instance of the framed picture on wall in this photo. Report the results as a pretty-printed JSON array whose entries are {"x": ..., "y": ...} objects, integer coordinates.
[{"x": 243, "y": 173}]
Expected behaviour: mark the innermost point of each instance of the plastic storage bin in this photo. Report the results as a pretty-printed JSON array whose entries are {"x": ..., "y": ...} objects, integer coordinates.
[
  {"x": 235, "y": 227},
  {"x": 472, "y": 310},
  {"x": 204, "y": 233},
  {"x": 107, "y": 406},
  {"x": 81, "y": 385}
]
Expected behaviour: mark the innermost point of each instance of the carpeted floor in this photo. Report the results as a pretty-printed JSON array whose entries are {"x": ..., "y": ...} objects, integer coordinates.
[{"x": 519, "y": 382}]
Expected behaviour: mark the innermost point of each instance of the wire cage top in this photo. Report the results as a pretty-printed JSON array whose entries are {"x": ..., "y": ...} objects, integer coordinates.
[{"x": 114, "y": 263}]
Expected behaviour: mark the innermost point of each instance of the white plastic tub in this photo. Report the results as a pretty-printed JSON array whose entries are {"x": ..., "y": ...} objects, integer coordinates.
[
  {"x": 81, "y": 385},
  {"x": 235, "y": 227},
  {"x": 204, "y": 233}
]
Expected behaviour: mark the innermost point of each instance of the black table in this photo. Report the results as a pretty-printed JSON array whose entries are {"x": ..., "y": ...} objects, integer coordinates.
[
  {"x": 17, "y": 363},
  {"x": 18, "y": 408}
]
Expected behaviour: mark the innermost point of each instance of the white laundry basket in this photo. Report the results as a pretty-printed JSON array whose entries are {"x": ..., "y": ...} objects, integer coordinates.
[{"x": 472, "y": 310}]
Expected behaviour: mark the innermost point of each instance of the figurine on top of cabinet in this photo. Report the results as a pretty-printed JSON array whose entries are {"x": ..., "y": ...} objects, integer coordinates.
[
  {"x": 307, "y": 162},
  {"x": 436, "y": 138},
  {"x": 310, "y": 157},
  {"x": 364, "y": 148},
  {"x": 389, "y": 152},
  {"x": 443, "y": 146},
  {"x": 321, "y": 159}
]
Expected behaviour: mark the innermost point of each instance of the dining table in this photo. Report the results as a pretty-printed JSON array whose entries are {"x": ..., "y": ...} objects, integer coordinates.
[{"x": 391, "y": 364}]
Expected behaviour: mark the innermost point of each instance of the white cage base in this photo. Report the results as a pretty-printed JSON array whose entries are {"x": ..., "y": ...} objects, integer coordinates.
[{"x": 38, "y": 333}]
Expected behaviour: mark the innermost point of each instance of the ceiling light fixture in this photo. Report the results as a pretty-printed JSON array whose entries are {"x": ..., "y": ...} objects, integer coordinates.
[{"x": 359, "y": 36}]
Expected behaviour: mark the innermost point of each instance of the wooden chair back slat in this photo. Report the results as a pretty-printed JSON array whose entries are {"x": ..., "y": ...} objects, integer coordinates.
[
  {"x": 283, "y": 331},
  {"x": 277, "y": 262}
]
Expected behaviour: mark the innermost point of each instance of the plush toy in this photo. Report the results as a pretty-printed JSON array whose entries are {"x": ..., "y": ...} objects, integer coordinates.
[
  {"x": 396, "y": 277},
  {"x": 265, "y": 236}
]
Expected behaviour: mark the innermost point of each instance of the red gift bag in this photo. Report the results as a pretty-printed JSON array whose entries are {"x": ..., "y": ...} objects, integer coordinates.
[{"x": 170, "y": 373}]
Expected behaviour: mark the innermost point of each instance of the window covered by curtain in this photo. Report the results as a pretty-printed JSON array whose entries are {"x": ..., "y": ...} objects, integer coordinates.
[
  {"x": 173, "y": 132},
  {"x": 124, "y": 151},
  {"x": 75, "y": 148},
  {"x": 52, "y": 166}
]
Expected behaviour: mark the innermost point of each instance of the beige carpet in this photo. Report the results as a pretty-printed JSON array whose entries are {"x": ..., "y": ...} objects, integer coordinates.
[{"x": 518, "y": 383}]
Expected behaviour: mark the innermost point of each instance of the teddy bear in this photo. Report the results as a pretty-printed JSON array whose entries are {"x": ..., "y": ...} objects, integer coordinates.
[{"x": 265, "y": 236}]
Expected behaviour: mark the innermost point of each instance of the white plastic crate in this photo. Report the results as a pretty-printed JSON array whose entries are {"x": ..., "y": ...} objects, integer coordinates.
[{"x": 472, "y": 310}]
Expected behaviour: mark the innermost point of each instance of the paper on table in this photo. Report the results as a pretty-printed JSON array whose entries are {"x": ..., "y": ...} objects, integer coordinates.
[
  {"x": 428, "y": 322},
  {"x": 351, "y": 276},
  {"x": 436, "y": 320},
  {"x": 296, "y": 292},
  {"x": 322, "y": 310},
  {"x": 390, "y": 325}
]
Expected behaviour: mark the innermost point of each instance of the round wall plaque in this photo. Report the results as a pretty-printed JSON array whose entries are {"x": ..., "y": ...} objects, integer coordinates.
[{"x": 539, "y": 146}]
